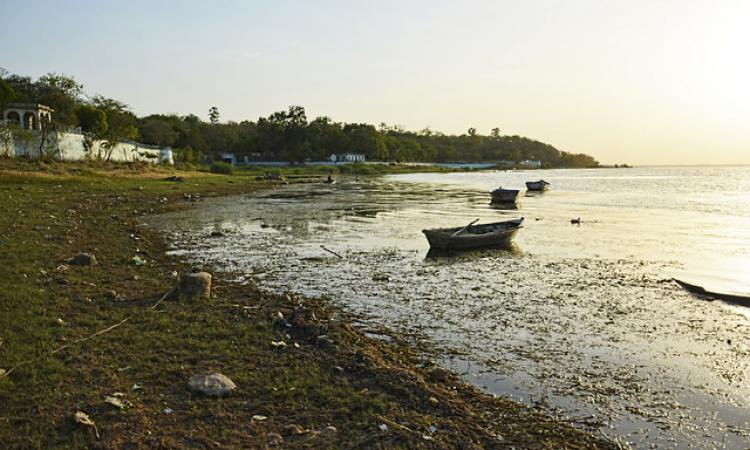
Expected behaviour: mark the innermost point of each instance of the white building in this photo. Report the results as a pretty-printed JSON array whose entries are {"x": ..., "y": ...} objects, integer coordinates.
[
  {"x": 77, "y": 147},
  {"x": 28, "y": 116},
  {"x": 36, "y": 141},
  {"x": 531, "y": 163},
  {"x": 347, "y": 157}
]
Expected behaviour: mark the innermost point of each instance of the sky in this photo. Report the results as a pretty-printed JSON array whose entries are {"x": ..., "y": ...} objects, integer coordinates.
[{"x": 631, "y": 81}]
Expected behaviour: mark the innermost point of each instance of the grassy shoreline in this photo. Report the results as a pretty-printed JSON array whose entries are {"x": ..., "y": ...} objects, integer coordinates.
[{"x": 375, "y": 395}]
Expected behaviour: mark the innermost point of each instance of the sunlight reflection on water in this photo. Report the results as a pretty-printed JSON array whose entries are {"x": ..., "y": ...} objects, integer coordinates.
[{"x": 697, "y": 216}]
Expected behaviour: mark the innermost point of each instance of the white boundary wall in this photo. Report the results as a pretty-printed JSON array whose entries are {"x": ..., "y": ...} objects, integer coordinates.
[{"x": 72, "y": 147}]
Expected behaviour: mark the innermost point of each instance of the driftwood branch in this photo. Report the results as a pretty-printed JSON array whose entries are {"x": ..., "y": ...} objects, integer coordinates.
[
  {"x": 61, "y": 348},
  {"x": 395, "y": 424},
  {"x": 331, "y": 251},
  {"x": 168, "y": 294}
]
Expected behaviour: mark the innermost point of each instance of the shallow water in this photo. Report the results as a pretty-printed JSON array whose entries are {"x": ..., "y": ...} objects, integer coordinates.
[{"x": 582, "y": 320}]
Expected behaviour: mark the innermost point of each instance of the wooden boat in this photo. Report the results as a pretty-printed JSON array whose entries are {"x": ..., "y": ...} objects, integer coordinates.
[
  {"x": 496, "y": 234},
  {"x": 540, "y": 185},
  {"x": 700, "y": 292},
  {"x": 501, "y": 195}
]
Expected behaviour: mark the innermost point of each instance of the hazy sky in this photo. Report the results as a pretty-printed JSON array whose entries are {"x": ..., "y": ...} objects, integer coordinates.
[{"x": 643, "y": 82}]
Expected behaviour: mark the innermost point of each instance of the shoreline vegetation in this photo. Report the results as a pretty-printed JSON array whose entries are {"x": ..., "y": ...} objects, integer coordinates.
[
  {"x": 285, "y": 135},
  {"x": 327, "y": 386}
]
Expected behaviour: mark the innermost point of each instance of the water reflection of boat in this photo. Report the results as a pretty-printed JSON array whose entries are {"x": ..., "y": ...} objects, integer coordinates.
[
  {"x": 540, "y": 185},
  {"x": 501, "y": 195},
  {"x": 504, "y": 206},
  {"x": 496, "y": 234},
  {"x": 470, "y": 254},
  {"x": 532, "y": 194}
]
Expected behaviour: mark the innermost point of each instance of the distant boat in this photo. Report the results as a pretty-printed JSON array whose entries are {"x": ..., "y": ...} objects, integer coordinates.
[
  {"x": 501, "y": 195},
  {"x": 540, "y": 185},
  {"x": 496, "y": 234}
]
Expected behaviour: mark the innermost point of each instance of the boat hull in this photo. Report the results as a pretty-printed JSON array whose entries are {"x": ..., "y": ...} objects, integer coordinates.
[
  {"x": 494, "y": 235},
  {"x": 540, "y": 185},
  {"x": 742, "y": 300},
  {"x": 504, "y": 196}
]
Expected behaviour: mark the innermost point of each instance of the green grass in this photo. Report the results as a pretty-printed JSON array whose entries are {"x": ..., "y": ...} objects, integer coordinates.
[{"x": 222, "y": 168}]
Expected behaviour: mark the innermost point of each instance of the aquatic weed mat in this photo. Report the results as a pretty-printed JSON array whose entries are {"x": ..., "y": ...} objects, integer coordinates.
[{"x": 609, "y": 340}]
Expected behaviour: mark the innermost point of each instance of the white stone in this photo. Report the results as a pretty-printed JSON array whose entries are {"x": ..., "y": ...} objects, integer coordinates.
[{"x": 215, "y": 384}]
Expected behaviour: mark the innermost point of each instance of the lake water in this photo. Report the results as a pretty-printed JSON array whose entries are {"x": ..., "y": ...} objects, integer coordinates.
[{"x": 582, "y": 320}]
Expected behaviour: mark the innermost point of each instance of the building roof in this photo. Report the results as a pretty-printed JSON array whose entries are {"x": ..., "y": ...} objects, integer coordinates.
[{"x": 34, "y": 106}]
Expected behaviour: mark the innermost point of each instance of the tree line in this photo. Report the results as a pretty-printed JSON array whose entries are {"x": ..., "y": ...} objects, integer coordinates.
[{"x": 286, "y": 135}]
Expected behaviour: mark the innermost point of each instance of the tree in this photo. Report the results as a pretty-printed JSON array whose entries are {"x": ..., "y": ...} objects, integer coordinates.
[
  {"x": 92, "y": 119},
  {"x": 61, "y": 93},
  {"x": 219, "y": 137},
  {"x": 122, "y": 124},
  {"x": 284, "y": 134},
  {"x": 7, "y": 94},
  {"x": 23, "y": 87},
  {"x": 270, "y": 139},
  {"x": 326, "y": 137},
  {"x": 65, "y": 84},
  {"x": 365, "y": 138},
  {"x": 213, "y": 115},
  {"x": 189, "y": 134},
  {"x": 246, "y": 138},
  {"x": 155, "y": 130}
]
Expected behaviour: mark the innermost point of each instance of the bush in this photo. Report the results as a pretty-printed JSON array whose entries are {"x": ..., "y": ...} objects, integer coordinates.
[
  {"x": 222, "y": 167},
  {"x": 361, "y": 169}
]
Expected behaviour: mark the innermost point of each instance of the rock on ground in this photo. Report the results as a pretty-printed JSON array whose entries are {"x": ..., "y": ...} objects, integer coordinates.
[
  {"x": 215, "y": 384},
  {"x": 82, "y": 259},
  {"x": 274, "y": 439},
  {"x": 195, "y": 285}
]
